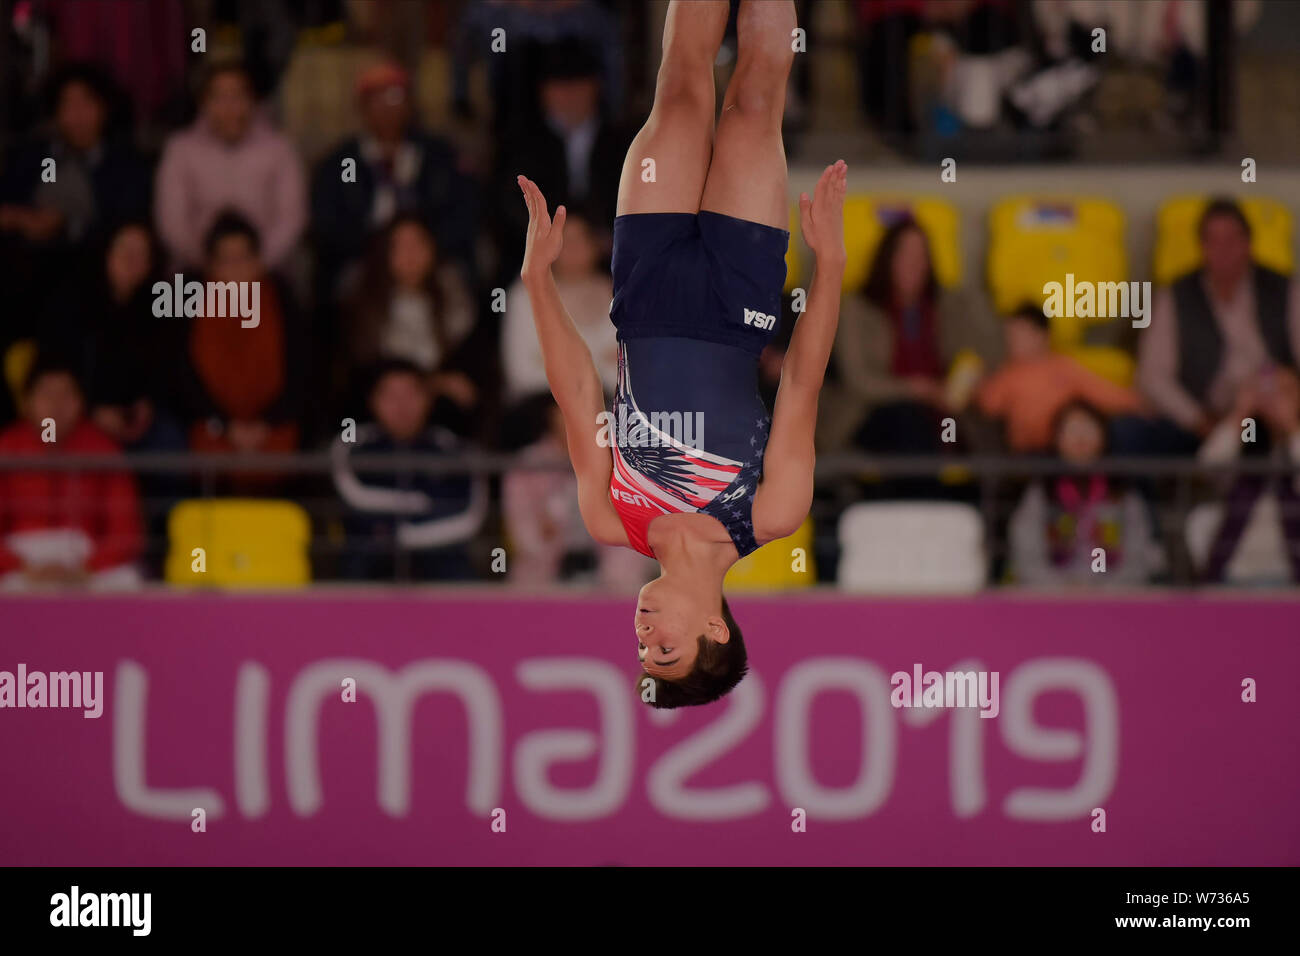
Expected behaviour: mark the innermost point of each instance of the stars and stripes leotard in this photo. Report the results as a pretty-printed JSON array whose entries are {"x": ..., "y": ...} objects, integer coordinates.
[{"x": 688, "y": 431}]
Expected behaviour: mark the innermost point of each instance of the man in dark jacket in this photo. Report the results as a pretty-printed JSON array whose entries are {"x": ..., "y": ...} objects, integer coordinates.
[
  {"x": 61, "y": 193},
  {"x": 399, "y": 169},
  {"x": 572, "y": 150}
]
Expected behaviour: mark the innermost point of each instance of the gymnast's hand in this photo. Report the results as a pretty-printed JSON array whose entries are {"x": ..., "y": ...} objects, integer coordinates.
[
  {"x": 545, "y": 236},
  {"x": 822, "y": 216}
]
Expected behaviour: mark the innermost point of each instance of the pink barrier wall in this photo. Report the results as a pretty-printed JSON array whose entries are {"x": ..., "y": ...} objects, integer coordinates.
[{"x": 523, "y": 711}]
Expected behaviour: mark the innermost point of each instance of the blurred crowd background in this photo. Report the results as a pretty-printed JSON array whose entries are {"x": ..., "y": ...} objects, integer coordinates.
[{"x": 388, "y": 418}]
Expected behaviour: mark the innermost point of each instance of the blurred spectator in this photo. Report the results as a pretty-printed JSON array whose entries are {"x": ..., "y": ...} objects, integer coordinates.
[
  {"x": 1171, "y": 35},
  {"x": 127, "y": 357},
  {"x": 1212, "y": 333},
  {"x": 1061, "y": 522},
  {"x": 247, "y": 385},
  {"x": 586, "y": 288},
  {"x": 1035, "y": 384},
  {"x": 97, "y": 177},
  {"x": 971, "y": 46},
  {"x": 229, "y": 159},
  {"x": 51, "y": 216},
  {"x": 426, "y": 520},
  {"x": 540, "y": 508},
  {"x": 1273, "y": 402},
  {"x": 1068, "y": 70},
  {"x": 572, "y": 150},
  {"x": 399, "y": 170},
  {"x": 771, "y": 361},
  {"x": 411, "y": 306},
  {"x": 895, "y": 345},
  {"x": 144, "y": 44},
  {"x": 886, "y": 30},
  {"x": 269, "y": 31},
  {"x": 529, "y": 25},
  {"x": 57, "y": 526}
]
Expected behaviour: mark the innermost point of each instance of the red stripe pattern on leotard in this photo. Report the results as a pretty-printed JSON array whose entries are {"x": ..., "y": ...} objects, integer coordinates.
[{"x": 654, "y": 473}]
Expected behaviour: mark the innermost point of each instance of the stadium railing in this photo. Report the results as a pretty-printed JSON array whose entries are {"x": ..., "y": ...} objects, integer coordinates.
[{"x": 991, "y": 484}]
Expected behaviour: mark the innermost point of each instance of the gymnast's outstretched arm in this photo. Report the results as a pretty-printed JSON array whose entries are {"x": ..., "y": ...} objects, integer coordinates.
[
  {"x": 785, "y": 493},
  {"x": 570, "y": 371}
]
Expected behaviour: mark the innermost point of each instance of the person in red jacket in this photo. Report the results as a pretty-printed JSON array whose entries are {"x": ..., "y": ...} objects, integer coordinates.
[{"x": 60, "y": 526}]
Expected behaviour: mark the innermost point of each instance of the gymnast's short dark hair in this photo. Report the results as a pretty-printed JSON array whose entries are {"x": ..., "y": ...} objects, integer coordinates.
[{"x": 718, "y": 668}]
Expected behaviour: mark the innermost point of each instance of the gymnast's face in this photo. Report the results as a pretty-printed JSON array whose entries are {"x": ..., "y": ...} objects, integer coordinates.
[{"x": 669, "y": 622}]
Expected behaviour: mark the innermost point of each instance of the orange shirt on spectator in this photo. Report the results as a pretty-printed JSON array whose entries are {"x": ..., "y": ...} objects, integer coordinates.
[{"x": 1029, "y": 394}]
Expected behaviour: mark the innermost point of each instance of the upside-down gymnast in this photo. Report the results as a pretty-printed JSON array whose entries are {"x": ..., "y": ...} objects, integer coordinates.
[{"x": 698, "y": 268}]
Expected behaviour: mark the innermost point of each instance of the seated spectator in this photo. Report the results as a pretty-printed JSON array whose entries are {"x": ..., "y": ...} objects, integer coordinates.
[
  {"x": 1159, "y": 37},
  {"x": 572, "y": 150},
  {"x": 424, "y": 520},
  {"x": 144, "y": 45},
  {"x": 531, "y": 27},
  {"x": 127, "y": 357},
  {"x": 540, "y": 508},
  {"x": 978, "y": 42},
  {"x": 399, "y": 170},
  {"x": 230, "y": 159},
  {"x": 99, "y": 176},
  {"x": 57, "y": 526},
  {"x": 48, "y": 229},
  {"x": 895, "y": 345},
  {"x": 246, "y": 389},
  {"x": 1212, "y": 334},
  {"x": 587, "y": 289},
  {"x": 1273, "y": 403},
  {"x": 412, "y": 306},
  {"x": 1061, "y": 522},
  {"x": 1034, "y": 384}
]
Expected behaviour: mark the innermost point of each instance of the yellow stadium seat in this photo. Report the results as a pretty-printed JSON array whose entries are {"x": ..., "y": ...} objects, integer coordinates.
[
  {"x": 1036, "y": 240},
  {"x": 18, "y": 362},
  {"x": 867, "y": 217},
  {"x": 793, "y": 260},
  {"x": 246, "y": 542},
  {"x": 1178, "y": 248},
  {"x": 775, "y": 566},
  {"x": 1113, "y": 364}
]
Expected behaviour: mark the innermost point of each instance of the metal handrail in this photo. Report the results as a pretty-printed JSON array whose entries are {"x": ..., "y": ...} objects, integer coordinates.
[{"x": 488, "y": 463}]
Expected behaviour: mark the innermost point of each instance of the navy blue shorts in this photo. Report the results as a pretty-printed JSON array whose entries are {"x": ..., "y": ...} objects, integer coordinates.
[{"x": 699, "y": 276}]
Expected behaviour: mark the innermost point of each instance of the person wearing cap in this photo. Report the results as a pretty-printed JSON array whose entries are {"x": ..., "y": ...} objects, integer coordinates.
[{"x": 400, "y": 169}]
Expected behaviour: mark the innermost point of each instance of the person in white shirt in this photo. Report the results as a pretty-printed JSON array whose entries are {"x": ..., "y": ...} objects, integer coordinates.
[
  {"x": 587, "y": 290},
  {"x": 411, "y": 306}
]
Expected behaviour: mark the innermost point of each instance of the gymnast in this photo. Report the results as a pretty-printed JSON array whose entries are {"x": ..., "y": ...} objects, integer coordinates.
[{"x": 698, "y": 268}]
